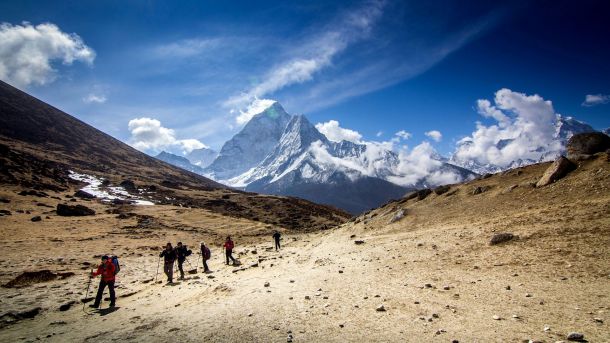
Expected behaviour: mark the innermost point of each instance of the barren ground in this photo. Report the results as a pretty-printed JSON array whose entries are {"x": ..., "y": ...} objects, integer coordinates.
[{"x": 434, "y": 271}]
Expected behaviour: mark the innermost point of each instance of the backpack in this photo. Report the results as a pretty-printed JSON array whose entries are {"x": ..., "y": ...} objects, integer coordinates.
[
  {"x": 207, "y": 253},
  {"x": 117, "y": 266}
]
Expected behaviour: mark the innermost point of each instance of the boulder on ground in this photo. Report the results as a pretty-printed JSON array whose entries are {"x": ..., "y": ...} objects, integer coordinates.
[
  {"x": 560, "y": 168},
  {"x": 128, "y": 185},
  {"x": 480, "y": 189},
  {"x": 397, "y": 216},
  {"x": 74, "y": 210},
  {"x": 29, "y": 278},
  {"x": 441, "y": 189},
  {"x": 583, "y": 144},
  {"x": 82, "y": 194},
  {"x": 501, "y": 238},
  {"x": 423, "y": 193},
  {"x": 36, "y": 219}
]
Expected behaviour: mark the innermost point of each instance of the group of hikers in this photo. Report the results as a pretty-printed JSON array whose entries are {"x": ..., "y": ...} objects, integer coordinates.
[{"x": 110, "y": 266}]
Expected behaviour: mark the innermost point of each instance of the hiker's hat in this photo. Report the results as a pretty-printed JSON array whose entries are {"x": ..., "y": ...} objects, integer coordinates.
[{"x": 105, "y": 257}]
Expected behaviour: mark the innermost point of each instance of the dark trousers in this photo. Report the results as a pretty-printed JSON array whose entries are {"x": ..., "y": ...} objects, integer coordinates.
[
  {"x": 229, "y": 255},
  {"x": 277, "y": 244},
  {"x": 100, "y": 292},
  {"x": 180, "y": 268},
  {"x": 205, "y": 264},
  {"x": 168, "y": 269}
]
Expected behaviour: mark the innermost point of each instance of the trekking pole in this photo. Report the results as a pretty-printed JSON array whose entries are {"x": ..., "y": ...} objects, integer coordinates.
[
  {"x": 157, "y": 273},
  {"x": 87, "y": 294}
]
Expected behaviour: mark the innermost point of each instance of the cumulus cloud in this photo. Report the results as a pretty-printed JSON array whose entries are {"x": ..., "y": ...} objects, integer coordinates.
[
  {"x": 257, "y": 106},
  {"x": 403, "y": 134},
  {"x": 336, "y": 133},
  {"x": 420, "y": 164},
  {"x": 596, "y": 99},
  {"x": 314, "y": 54},
  {"x": 379, "y": 134},
  {"x": 27, "y": 52},
  {"x": 95, "y": 98},
  {"x": 435, "y": 135},
  {"x": 525, "y": 129},
  {"x": 149, "y": 134}
]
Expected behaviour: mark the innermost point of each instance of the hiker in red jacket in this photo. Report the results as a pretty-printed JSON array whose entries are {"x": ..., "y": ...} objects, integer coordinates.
[
  {"x": 229, "y": 245},
  {"x": 107, "y": 271}
]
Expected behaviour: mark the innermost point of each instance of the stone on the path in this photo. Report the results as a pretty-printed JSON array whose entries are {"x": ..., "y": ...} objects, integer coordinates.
[
  {"x": 598, "y": 320},
  {"x": 358, "y": 242},
  {"x": 36, "y": 219},
  {"x": 380, "y": 308},
  {"x": 307, "y": 297},
  {"x": 560, "y": 168},
  {"x": 575, "y": 336},
  {"x": 496, "y": 317},
  {"x": 66, "y": 306},
  {"x": 501, "y": 238},
  {"x": 267, "y": 284}
]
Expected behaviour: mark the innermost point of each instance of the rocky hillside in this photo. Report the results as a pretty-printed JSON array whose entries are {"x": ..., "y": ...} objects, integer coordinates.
[{"x": 40, "y": 146}]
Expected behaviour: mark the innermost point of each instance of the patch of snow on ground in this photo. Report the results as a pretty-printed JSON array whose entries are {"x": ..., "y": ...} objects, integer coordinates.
[{"x": 94, "y": 187}]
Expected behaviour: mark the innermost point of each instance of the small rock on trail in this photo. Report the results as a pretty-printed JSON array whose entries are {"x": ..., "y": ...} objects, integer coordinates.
[
  {"x": 501, "y": 238},
  {"x": 74, "y": 210}
]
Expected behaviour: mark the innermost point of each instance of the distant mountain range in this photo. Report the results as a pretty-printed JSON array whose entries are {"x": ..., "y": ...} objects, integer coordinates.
[
  {"x": 565, "y": 127},
  {"x": 283, "y": 154}
]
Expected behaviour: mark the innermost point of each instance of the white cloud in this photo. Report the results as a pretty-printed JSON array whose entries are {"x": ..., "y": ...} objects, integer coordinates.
[
  {"x": 379, "y": 134},
  {"x": 256, "y": 106},
  {"x": 314, "y": 54},
  {"x": 336, "y": 133},
  {"x": 525, "y": 130},
  {"x": 421, "y": 164},
  {"x": 403, "y": 134},
  {"x": 27, "y": 52},
  {"x": 435, "y": 135},
  {"x": 95, "y": 98},
  {"x": 596, "y": 99},
  {"x": 149, "y": 134},
  {"x": 186, "y": 47}
]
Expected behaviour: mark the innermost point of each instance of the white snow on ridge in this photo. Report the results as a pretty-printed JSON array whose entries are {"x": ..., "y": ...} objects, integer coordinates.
[{"x": 108, "y": 193}]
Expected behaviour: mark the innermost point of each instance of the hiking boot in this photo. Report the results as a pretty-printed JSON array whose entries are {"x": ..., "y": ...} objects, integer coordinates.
[{"x": 112, "y": 305}]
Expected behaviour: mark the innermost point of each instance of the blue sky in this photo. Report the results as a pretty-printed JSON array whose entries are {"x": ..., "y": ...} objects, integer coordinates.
[{"x": 376, "y": 67}]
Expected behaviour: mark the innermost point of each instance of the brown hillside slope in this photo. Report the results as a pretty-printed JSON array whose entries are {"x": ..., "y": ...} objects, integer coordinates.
[
  {"x": 433, "y": 271},
  {"x": 39, "y": 144}
]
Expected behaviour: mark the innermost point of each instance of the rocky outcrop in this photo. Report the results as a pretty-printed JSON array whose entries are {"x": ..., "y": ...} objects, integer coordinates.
[
  {"x": 560, "y": 168},
  {"x": 581, "y": 145},
  {"x": 74, "y": 210}
]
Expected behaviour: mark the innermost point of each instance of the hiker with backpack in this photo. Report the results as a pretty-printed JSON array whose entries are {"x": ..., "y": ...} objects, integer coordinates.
[
  {"x": 276, "y": 238},
  {"x": 169, "y": 256},
  {"x": 228, "y": 246},
  {"x": 107, "y": 269},
  {"x": 181, "y": 253},
  {"x": 205, "y": 256}
]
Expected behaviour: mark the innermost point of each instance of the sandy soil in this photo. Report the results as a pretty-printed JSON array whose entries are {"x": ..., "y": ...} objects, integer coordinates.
[{"x": 433, "y": 270}]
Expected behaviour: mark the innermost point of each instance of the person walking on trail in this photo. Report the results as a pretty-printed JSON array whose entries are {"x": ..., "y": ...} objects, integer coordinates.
[
  {"x": 229, "y": 245},
  {"x": 276, "y": 238},
  {"x": 169, "y": 255},
  {"x": 107, "y": 270},
  {"x": 181, "y": 254},
  {"x": 205, "y": 256}
]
